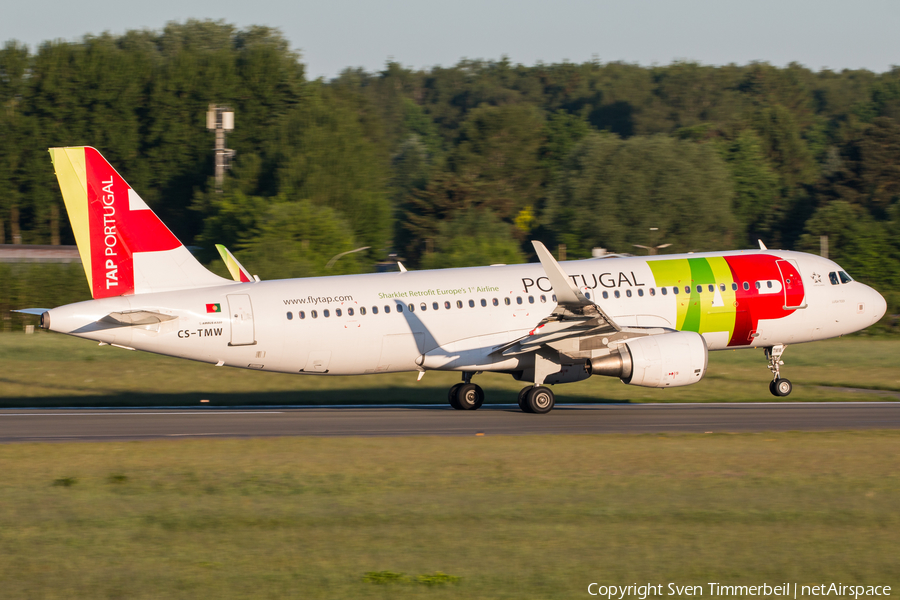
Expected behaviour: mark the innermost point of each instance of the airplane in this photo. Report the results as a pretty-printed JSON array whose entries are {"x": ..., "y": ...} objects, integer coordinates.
[{"x": 650, "y": 321}]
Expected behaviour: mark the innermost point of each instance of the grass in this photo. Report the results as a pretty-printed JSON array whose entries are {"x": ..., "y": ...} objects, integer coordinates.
[
  {"x": 474, "y": 517},
  {"x": 55, "y": 370}
]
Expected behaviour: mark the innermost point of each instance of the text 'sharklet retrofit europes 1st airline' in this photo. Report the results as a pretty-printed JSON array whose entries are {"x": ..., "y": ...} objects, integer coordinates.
[{"x": 649, "y": 321}]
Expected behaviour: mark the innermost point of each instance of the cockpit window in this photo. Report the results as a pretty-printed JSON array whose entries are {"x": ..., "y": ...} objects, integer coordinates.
[
  {"x": 833, "y": 278},
  {"x": 844, "y": 277}
]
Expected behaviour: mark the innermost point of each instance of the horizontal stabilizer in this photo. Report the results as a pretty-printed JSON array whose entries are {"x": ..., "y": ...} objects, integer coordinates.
[
  {"x": 137, "y": 317},
  {"x": 32, "y": 311}
]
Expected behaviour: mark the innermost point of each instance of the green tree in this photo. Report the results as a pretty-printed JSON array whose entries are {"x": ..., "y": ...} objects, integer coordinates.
[
  {"x": 297, "y": 239},
  {"x": 855, "y": 241},
  {"x": 757, "y": 200},
  {"x": 473, "y": 238},
  {"x": 614, "y": 191}
]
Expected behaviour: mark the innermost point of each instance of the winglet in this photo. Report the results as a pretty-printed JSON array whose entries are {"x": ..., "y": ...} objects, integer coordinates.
[
  {"x": 237, "y": 270},
  {"x": 761, "y": 245},
  {"x": 566, "y": 292}
]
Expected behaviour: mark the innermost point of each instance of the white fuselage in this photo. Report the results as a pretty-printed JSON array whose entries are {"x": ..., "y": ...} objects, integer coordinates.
[{"x": 453, "y": 319}]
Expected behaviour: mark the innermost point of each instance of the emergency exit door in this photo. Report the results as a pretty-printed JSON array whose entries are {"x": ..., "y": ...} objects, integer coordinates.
[{"x": 240, "y": 311}]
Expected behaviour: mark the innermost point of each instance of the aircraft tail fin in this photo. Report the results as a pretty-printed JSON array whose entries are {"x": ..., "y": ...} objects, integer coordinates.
[{"x": 124, "y": 247}]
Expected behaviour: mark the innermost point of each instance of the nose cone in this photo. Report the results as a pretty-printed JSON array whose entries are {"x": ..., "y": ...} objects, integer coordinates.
[{"x": 878, "y": 306}]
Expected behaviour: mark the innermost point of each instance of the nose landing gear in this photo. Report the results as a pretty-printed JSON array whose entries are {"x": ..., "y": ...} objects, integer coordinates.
[{"x": 779, "y": 386}]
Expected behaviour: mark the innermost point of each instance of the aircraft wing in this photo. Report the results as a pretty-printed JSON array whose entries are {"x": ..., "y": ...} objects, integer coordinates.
[
  {"x": 237, "y": 270},
  {"x": 574, "y": 316}
]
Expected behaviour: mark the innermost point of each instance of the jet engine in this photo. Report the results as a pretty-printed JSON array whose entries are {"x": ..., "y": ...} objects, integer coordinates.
[{"x": 664, "y": 360}]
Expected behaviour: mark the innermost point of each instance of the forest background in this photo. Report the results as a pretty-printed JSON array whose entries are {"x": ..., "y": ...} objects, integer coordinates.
[{"x": 454, "y": 166}]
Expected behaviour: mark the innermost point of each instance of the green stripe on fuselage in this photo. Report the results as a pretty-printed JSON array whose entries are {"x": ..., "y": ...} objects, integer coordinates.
[{"x": 700, "y": 274}]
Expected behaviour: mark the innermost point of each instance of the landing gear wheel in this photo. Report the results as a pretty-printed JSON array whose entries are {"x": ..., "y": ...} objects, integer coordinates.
[
  {"x": 782, "y": 387},
  {"x": 452, "y": 396},
  {"x": 772, "y": 388},
  {"x": 540, "y": 400},
  {"x": 469, "y": 396},
  {"x": 523, "y": 395}
]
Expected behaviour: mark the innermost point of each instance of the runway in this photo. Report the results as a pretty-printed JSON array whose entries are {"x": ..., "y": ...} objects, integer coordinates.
[{"x": 173, "y": 423}]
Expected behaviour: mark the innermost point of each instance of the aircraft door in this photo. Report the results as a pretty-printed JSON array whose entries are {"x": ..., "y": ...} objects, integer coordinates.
[
  {"x": 794, "y": 294},
  {"x": 240, "y": 312}
]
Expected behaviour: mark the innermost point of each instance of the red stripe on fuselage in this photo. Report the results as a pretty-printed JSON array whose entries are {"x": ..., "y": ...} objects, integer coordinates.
[{"x": 751, "y": 305}]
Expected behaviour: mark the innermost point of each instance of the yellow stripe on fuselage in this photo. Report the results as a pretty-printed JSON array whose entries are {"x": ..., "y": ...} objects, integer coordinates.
[
  {"x": 719, "y": 318},
  {"x": 71, "y": 174}
]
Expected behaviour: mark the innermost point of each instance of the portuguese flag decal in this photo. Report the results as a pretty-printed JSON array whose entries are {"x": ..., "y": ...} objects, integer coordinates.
[{"x": 213, "y": 308}]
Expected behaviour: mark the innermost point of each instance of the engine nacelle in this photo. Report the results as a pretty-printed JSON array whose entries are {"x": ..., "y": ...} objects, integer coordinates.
[{"x": 664, "y": 360}]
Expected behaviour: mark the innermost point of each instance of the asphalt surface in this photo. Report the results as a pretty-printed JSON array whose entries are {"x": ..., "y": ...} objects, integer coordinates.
[{"x": 142, "y": 424}]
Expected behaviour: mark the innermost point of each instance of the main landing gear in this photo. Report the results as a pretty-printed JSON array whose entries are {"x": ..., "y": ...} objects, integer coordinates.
[
  {"x": 778, "y": 386},
  {"x": 466, "y": 395},
  {"x": 536, "y": 399}
]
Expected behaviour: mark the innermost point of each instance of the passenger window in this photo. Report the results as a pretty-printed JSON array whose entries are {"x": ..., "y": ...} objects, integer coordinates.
[
  {"x": 411, "y": 307},
  {"x": 665, "y": 291},
  {"x": 399, "y": 308},
  {"x": 483, "y": 302},
  {"x": 301, "y": 314},
  {"x": 844, "y": 277},
  {"x": 734, "y": 286},
  {"x": 617, "y": 294},
  {"x": 446, "y": 305},
  {"x": 833, "y": 278},
  {"x": 746, "y": 286},
  {"x": 518, "y": 299},
  {"x": 325, "y": 313},
  {"x": 387, "y": 308},
  {"x": 435, "y": 305},
  {"x": 769, "y": 284},
  {"x": 495, "y": 302},
  {"x": 314, "y": 314},
  {"x": 554, "y": 297},
  {"x": 640, "y": 292},
  {"x": 423, "y": 307},
  {"x": 587, "y": 295},
  {"x": 687, "y": 289},
  {"x": 605, "y": 295},
  {"x": 712, "y": 288},
  {"x": 758, "y": 285},
  {"x": 349, "y": 312},
  {"x": 459, "y": 304},
  {"x": 675, "y": 290},
  {"x": 506, "y": 301},
  {"x": 471, "y": 304},
  {"x": 530, "y": 299},
  {"x": 699, "y": 289},
  {"x": 543, "y": 298},
  {"x": 652, "y": 291},
  {"x": 337, "y": 312},
  {"x": 721, "y": 287},
  {"x": 362, "y": 310},
  {"x": 290, "y": 316},
  {"x": 628, "y": 293},
  {"x": 374, "y": 310}
]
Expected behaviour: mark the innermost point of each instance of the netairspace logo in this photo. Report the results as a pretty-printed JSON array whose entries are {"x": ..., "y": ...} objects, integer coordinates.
[{"x": 781, "y": 590}]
